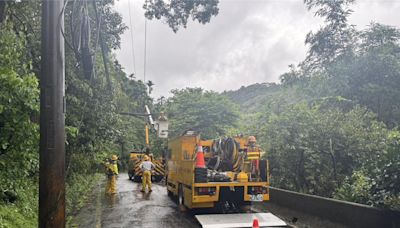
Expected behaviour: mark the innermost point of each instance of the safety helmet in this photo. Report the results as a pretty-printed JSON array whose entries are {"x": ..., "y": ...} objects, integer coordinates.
[
  {"x": 146, "y": 158},
  {"x": 252, "y": 139},
  {"x": 114, "y": 157}
]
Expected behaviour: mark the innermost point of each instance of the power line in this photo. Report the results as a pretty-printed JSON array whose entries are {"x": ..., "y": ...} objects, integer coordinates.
[
  {"x": 145, "y": 50},
  {"x": 133, "y": 45}
]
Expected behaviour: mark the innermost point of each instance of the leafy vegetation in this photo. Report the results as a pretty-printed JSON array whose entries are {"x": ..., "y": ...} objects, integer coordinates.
[
  {"x": 331, "y": 126},
  {"x": 208, "y": 112},
  {"x": 97, "y": 92},
  {"x": 19, "y": 107},
  {"x": 177, "y": 13}
]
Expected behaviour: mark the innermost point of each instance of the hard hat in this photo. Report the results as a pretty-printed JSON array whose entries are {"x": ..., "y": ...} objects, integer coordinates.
[
  {"x": 252, "y": 139},
  {"x": 146, "y": 158},
  {"x": 114, "y": 157}
]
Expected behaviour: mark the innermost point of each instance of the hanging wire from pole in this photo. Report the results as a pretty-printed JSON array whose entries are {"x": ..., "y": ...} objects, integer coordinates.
[
  {"x": 145, "y": 50},
  {"x": 133, "y": 45}
]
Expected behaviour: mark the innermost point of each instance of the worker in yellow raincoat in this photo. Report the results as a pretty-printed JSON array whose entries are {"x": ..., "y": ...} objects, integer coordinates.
[
  {"x": 112, "y": 172},
  {"x": 146, "y": 167}
]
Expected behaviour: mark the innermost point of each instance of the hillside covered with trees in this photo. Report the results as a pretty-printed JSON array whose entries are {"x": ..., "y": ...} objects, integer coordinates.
[{"x": 331, "y": 126}]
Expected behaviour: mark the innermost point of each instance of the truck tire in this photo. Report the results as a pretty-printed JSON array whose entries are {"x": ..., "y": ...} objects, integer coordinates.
[
  {"x": 170, "y": 194},
  {"x": 181, "y": 199},
  {"x": 263, "y": 170},
  {"x": 136, "y": 179},
  {"x": 158, "y": 178}
]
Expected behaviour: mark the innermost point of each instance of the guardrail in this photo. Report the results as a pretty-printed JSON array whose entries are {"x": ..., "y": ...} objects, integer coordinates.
[{"x": 346, "y": 213}]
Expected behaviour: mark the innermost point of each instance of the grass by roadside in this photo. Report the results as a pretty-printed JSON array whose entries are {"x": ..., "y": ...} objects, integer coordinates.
[
  {"x": 22, "y": 212},
  {"x": 79, "y": 192}
]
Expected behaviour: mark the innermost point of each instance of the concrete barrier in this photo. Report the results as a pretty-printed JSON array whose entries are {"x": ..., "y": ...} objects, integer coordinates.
[{"x": 346, "y": 213}]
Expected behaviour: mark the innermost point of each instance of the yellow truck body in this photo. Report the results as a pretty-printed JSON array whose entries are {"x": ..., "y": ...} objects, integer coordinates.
[{"x": 180, "y": 176}]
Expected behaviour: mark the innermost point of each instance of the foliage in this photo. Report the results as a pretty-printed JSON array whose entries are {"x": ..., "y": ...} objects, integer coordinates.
[
  {"x": 208, "y": 112},
  {"x": 250, "y": 95},
  {"x": 312, "y": 148},
  {"x": 377, "y": 183},
  {"x": 94, "y": 130},
  {"x": 79, "y": 183},
  {"x": 22, "y": 213},
  {"x": 384, "y": 174},
  {"x": 330, "y": 127},
  {"x": 332, "y": 41},
  {"x": 355, "y": 188},
  {"x": 177, "y": 12},
  {"x": 19, "y": 107}
]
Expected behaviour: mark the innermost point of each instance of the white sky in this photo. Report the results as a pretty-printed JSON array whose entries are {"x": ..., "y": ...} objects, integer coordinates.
[{"x": 249, "y": 41}]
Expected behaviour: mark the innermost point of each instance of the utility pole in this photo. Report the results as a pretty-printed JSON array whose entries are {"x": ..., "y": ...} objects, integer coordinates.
[{"x": 52, "y": 117}]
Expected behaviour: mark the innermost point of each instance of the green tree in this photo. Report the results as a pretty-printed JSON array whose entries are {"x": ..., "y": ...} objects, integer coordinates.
[
  {"x": 19, "y": 107},
  {"x": 208, "y": 112},
  {"x": 334, "y": 40},
  {"x": 177, "y": 12},
  {"x": 314, "y": 148},
  {"x": 377, "y": 182}
]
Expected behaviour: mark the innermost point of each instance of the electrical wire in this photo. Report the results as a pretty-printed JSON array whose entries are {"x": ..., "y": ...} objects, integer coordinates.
[
  {"x": 145, "y": 50},
  {"x": 133, "y": 45}
]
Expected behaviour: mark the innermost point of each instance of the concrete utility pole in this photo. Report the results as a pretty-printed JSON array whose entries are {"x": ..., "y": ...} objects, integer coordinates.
[{"x": 52, "y": 117}]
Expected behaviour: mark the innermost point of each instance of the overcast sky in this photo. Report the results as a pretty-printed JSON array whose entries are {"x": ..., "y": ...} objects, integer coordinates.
[{"x": 249, "y": 41}]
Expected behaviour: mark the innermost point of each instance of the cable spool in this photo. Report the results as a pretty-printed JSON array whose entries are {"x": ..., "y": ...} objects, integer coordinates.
[{"x": 225, "y": 155}]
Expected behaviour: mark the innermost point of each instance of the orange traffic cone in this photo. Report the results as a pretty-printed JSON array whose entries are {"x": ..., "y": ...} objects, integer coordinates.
[
  {"x": 200, "y": 170},
  {"x": 255, "y": 223},
  {"x": 200, "y": 163}
]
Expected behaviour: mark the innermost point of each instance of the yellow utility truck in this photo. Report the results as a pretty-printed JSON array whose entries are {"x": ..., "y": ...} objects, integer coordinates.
[
  {"x": 136, "y": 157},
  {"x": 234, "y": 175},
  {"x": 134, "y": 171}
]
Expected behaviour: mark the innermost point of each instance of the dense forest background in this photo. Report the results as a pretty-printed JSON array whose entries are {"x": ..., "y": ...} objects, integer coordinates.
[{"x": 330, "y": 127}]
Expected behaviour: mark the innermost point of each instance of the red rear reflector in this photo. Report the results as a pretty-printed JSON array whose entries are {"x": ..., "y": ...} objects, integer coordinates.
[{"x": 205, "y": 191}]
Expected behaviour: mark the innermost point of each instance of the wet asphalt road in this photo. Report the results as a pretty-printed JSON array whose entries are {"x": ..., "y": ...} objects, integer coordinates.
[{"x": 132, "y": 208}]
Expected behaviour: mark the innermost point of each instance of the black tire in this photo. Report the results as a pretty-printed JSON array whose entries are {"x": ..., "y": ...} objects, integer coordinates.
[
  {"x": 263, "y": 170},
  {"x": 181, "y": 197},
  {"x": 137, "y": 179},
  {"x": 158, "y": 178},
  {"x": 170, "y": 194}
]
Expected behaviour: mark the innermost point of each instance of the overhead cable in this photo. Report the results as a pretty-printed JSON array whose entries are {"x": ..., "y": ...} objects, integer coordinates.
[{"x": 133, "y": 45}]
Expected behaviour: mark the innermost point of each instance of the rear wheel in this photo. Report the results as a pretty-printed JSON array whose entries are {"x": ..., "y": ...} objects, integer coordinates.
[
  {"x": 158, "y": 178},
  {"x": 181, "y": 198},
  {"x": 136, "y": 179},
  {"x": 170, "y": 194}
]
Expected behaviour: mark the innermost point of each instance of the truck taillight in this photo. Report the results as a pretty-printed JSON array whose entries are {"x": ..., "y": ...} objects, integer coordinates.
[
  {"x": 257, "y": 190},
  {"x": 201, "y": 191}
]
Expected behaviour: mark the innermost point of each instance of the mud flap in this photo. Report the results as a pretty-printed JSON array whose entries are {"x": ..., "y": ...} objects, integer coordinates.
[{"x": 239, "y": 220}]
